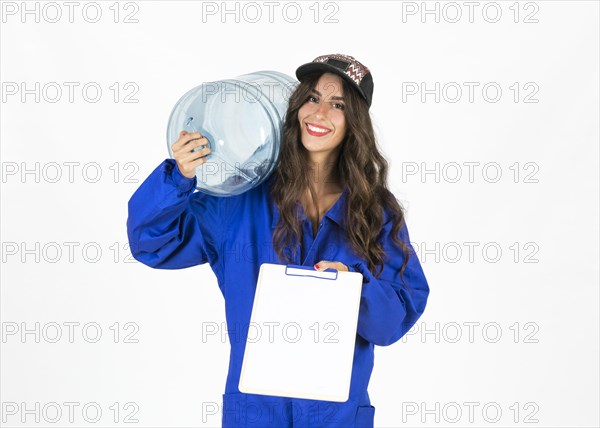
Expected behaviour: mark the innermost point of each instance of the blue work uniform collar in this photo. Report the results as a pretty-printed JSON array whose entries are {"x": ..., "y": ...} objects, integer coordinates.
[{"x": 335, "y": 213}]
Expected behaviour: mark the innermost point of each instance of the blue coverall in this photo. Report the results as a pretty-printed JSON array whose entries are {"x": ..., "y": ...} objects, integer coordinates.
[{"x": 171, "y": 227}]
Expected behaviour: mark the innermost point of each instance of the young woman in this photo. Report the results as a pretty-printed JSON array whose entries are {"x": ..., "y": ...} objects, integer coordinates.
[{"x": 326, "y": 204}]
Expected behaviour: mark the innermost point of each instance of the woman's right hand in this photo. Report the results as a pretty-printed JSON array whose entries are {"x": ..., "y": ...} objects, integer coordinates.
[{"x": 188, "y": 160}]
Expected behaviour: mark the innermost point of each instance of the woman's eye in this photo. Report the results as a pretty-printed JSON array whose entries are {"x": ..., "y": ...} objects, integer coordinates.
[
  {"x": 312, "y": 99},
  {"x": 339, "y": 106}
]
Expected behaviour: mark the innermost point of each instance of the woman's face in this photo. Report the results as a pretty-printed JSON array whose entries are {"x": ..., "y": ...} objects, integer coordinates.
[{"x": 322, "y": 118}]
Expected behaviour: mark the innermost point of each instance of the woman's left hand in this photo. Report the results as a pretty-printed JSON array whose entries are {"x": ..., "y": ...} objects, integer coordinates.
[{"x": 323, "y": 264}]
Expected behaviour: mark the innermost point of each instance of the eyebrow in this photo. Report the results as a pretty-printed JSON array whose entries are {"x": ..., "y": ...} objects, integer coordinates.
[{"x": 333, "y": 98}]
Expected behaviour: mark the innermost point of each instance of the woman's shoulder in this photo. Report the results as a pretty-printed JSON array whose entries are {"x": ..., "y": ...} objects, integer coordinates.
[
  {"x": 254, "y": 192},
  {"x": 255, "y": 196}
]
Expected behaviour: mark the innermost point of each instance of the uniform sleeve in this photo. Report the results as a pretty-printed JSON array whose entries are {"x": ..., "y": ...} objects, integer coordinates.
[
  {"x": 171, "y": 227},
  {"x": 387, "y": 308}
]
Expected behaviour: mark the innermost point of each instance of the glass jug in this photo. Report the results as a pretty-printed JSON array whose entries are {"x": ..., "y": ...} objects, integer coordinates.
[{"x": 242, "y": 120}]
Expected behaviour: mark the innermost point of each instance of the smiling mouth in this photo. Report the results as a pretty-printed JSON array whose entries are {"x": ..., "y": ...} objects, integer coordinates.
[{"x": 315, "y": 130}]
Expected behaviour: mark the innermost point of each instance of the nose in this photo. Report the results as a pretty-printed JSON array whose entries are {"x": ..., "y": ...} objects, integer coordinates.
[{"x": 321, "y": 110}]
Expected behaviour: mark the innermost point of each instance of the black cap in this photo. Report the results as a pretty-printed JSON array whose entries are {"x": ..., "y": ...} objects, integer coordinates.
[{"x": 345, "y": 66}]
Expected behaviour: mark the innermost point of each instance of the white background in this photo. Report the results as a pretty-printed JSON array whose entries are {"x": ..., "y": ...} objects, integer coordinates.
[{"x": 546, "y": 375}]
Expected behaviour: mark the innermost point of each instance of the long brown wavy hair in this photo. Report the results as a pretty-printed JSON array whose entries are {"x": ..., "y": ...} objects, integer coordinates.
[{"x": 359, "y": 165}]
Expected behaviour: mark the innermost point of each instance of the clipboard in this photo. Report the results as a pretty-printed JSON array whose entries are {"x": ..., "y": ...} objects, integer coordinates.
[{"x": 302, "y": 333}]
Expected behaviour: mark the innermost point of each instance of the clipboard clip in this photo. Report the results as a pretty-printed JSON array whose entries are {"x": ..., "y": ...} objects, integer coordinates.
[{"x": 299, "y": 270}]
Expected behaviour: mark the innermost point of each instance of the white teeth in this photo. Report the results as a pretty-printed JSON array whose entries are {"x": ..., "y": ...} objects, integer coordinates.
[{"x": 319, "y": 130}]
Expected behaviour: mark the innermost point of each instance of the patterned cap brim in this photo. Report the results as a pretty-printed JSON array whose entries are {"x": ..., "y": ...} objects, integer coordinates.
[{"x": 311, "y": 67}]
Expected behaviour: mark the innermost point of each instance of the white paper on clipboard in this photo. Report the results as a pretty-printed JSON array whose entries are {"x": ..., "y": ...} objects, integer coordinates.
[{"x": 302, "y": 333}]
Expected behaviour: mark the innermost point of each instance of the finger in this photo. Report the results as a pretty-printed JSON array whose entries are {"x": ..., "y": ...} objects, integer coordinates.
[
  {"x": 194, "y": 155},
  {"x": 190, "y": 167},
  {"x": 188, "y": 141},
  {"x": 324, "y": 264},
  {"x": 190, "y": 146},
  {"x": 184, "y": 139},
  {"x": 195, "y": 151},
  {"x": 194, "y": 162}
]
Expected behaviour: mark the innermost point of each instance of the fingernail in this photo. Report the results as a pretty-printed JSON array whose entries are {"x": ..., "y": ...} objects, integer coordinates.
[{"x": 316, "y": 266}]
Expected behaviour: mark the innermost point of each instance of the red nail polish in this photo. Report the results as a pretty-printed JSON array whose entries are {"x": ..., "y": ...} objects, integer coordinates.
[{"x": 316, "y": 266}]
